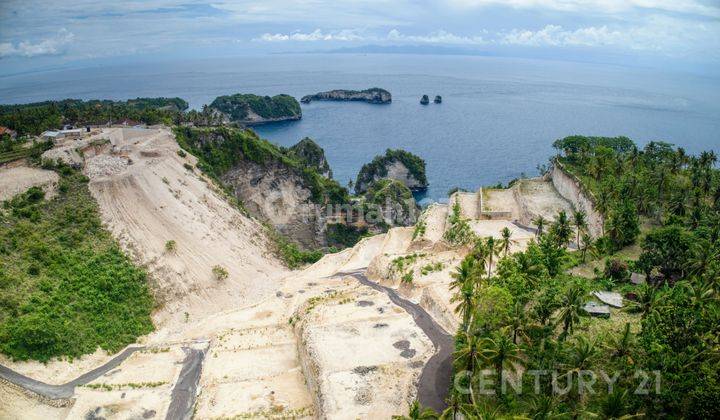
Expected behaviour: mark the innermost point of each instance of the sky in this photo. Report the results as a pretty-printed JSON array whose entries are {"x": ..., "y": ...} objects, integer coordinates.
[{"x": 46, "y": 34}]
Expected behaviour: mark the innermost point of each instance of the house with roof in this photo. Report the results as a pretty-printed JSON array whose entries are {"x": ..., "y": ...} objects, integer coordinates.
[{"x": 6, "y": 131}]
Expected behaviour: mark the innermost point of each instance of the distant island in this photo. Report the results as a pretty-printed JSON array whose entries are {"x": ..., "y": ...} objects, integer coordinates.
[
  {"x": 247, "y": 109},
  {"x": 372, "y": 95}
]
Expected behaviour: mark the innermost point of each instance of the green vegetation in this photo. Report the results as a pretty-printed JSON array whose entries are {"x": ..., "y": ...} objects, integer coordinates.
[
  {"x": 219, "y": 272},
  {"x": 11, "y": 150},
  {"x": 239, "y": 106},
  {"x": 219, "y": 149},
  {"x": 308, "y": 152},
  {"x": 171, "y": 246},
  {"x": 34, "y": 118},
  {"x": 420, "y": 228},
  {"x": 290, "y": 253},
  {"x": 528, "y": 315},
  {"x": 431, "y": 268},
  {"x": 377, "y": 169},
  {"x": 343, "y": 236},
  {"x": 65, "y": 286},
  {"x": 459, "y": 233}
]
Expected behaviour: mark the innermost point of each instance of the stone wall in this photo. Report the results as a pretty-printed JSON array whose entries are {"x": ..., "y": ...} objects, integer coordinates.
[{"x": 572, "y": 190}]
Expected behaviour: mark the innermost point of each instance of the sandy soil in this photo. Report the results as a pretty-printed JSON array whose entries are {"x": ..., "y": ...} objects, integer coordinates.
[
  {"x": 469, "y": 204},
  {"x": 16, "y": 404},
  {"x": 495, "y": 200},
  {"x": 345, "y": 370},
  {"x": 539, "y": 198},
  {"x": 155, "y": 200},
  {"x": 18, "y": 179},
  {"x": 435, "y": 219}
]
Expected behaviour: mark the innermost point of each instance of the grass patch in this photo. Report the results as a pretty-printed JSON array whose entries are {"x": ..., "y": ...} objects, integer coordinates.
[{"x": 66, "y": 288}]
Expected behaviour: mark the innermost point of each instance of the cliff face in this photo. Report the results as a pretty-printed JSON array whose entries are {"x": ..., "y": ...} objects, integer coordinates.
[
  {"x": 313, "y": 155},
  {"x": 273, "y": 184},
  {"x": 253, "y": 109},
  {"x": 394, "y": 201},
  {"x": 399, "y": 165},
  {"x": 571, "y": 189},
  {"x": 373, "y": 96},
  {"x": 277, "y": 194}
]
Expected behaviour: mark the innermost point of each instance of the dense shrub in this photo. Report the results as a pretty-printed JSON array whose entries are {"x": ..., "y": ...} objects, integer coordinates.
[{"x": 65, "y": 286}]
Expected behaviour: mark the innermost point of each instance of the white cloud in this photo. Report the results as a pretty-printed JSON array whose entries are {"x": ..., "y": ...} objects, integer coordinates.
[
  {"x": 437, "y": 37},
  {"x": 394, "y": 35},
  {"x": 554, "y": 35},
  {"x": 601, "y": 6},
  {"x": 660, "y": 34},
  {"x": 48, "y": 46},
  {"x": 316, "y": 35}
]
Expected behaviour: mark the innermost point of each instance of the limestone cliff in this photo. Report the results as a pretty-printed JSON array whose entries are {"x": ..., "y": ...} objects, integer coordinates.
[
  {"x": 394, "y": 201},
  {"x": 246, "y": 109},
  {"x": 313, "y": 155},
  {"x": 394, "y": 164},
  {"x": 372, "y": 95},
  {"x": 271, "y": 183}
]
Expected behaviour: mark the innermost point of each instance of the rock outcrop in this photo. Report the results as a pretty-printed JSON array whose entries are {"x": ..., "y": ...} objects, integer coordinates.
[
  {"x": 395, "y": 164},
  {"x": 246, "y": 109},
  {"x": 313, "y": 155},
  {"x": 272, "y": 183},
  {"x": 372, "y": 95},
  {"x": 394, "y": 202}
]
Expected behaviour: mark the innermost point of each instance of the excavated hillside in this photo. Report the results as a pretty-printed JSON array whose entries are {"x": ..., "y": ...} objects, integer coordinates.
[{"x": 237, "y": 335}]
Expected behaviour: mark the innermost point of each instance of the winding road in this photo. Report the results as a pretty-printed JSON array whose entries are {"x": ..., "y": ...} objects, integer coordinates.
[
  {"x": 66, "y": 390},
  {"x": 183, "y": 394},
  {"x": 436, "y": 376}
]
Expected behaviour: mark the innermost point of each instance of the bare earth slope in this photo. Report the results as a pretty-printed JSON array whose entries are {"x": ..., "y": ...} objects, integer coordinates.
[{"x": 147, "y": 198}]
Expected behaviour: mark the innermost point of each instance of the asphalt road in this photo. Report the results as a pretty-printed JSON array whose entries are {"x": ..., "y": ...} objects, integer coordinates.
[
  {"x": 65, "y": 390},
  {"x": 435, "y": 378},
  {"x": 185, "y": 390}
]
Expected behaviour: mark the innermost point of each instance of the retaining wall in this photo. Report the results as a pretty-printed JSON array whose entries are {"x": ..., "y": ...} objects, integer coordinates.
[{"x": 572, "y": 190}]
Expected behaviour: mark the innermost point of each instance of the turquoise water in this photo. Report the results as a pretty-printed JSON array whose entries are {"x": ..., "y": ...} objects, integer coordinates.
[{"x": 497, "y": 121}]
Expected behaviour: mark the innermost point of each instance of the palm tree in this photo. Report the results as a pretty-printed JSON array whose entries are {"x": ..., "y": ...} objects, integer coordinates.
[
  {"x": 570, "y": 309},
  {"x": 505, "y": 242},
  {"x": 418, "y": 413},
  {"x": 519, "y": 321},
  {"x": 615, "y": 407},
  {"x": 500, "y": 352},
  {"x": 480, "y": 252},
  {"x": 467, "y": 357},
  {"x": 647, "y": 300},
  {"x": 540, "y": 223},
  {"x": 622, "y": 344},
  {"x": 561, "y": 228},
  {"x": 580, "y": 221},
  {"x": 588, "y": 245},
  {"x": 463, "y": 274},
  {"x": 582, "y": 353},
  {"x": 482, "y": 411},
  {"x": 465, "y": 299},
  {"x": 492, "y": 250},
  {"x": 544, "y": 407},
  {"x": 450, "y": 413}
]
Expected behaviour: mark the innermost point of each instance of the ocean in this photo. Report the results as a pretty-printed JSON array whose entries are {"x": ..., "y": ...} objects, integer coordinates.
[{"x": 497, "y": 122}]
